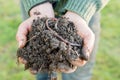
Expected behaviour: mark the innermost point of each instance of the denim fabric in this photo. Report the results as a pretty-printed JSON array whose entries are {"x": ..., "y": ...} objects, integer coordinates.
[
  {"x": 82, "y": 73},
  {"x": 42, "y": 76}
]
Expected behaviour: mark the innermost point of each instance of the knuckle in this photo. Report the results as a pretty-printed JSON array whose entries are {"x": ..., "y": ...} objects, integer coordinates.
[
  {"x": 17, "y": 37},
  {"x": 89, "y": 35},
  {"x": 83, "y": 62},
  {"x": 18, "y": 33}
]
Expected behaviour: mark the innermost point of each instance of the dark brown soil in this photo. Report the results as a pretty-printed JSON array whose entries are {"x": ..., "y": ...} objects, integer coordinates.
[{"x": 51, "y": 43}]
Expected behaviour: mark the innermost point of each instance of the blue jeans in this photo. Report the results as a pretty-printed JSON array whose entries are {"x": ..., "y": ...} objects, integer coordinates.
[{"x": 85, "y": 72}]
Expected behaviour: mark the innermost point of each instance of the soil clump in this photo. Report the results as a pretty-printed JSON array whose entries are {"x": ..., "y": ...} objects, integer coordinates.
[{"x": 50, "y": 44}]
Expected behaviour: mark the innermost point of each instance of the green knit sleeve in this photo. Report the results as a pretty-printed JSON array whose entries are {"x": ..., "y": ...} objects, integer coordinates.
[
  {"x": 85, "y": 8},
  {"x": 29, "y": 4}
]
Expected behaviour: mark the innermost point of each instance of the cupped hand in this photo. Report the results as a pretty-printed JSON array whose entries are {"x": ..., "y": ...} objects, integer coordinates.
[
  {"x": 87, "y": 35},
  {"x": 88, "y": 42},
  {"x": 42, "y": 10}
]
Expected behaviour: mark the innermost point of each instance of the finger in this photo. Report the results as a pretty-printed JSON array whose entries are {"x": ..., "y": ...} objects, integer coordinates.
[
  {"x": 75, "y": 59},
  {"x": 32, "y": 71},
  {"x": 21, "y": 41},
  {"x": 88, "y": 44},
  {"x": 88, "y": 37},
  {"x": 65, "y": 69},
  {"x": 68, "y": 71},
  {"x": 22, "y": 32},
  {"x": 21, "y": 60},
  {"x": 84, "y": 54},
  {"x": 78, "y": 62},
  {"x": 88, "y": 40},
  {"x": 86, "y": 50}
]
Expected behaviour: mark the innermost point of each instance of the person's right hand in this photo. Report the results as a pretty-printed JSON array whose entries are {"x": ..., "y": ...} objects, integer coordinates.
[{"x": 42, "y": 10}]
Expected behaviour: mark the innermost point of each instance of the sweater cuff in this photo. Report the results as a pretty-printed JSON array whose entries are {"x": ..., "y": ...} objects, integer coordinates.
[
  {"x": 29, "y": 4},
  {"x": 84, "y": 8}
]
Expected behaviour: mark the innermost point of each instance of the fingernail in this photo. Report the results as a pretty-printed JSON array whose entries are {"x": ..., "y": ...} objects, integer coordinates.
[{"x": 20, "y": 44}]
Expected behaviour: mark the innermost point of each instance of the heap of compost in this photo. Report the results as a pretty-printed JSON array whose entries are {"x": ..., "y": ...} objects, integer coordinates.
[{"x": 50, "y": 44}]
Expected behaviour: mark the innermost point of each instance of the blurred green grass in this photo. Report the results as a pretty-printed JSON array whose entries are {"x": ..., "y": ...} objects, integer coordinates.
[{"x": 108, "y": 61}]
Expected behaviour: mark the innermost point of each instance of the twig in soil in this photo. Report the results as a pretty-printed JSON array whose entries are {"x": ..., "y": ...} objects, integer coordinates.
[
  {"x": 58, "y": 36},
  {"x": 31, "y": 38},
  {"x": 39, "y": 27},
  {"x": 41, "y": 68},
  {"x": 77, "y": 53}
]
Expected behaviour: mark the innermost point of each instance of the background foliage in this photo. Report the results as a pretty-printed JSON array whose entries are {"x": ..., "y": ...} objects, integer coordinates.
[{"x": 108, "y": 61}]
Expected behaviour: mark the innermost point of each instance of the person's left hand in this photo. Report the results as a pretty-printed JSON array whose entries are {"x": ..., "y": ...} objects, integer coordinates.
[{"x": 88, "y": 39}]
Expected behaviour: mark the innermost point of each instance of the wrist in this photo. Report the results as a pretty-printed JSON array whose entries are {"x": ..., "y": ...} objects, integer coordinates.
[
  {"x": 75, "y": 18},
  {"x": 44, "y": 9}
]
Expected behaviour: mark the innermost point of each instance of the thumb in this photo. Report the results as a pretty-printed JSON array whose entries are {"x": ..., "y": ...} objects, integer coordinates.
[
  {"x": 88, "y": 44},
  {"x": 21, "y": 41},
  {"x": 22, "y": 32}
]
